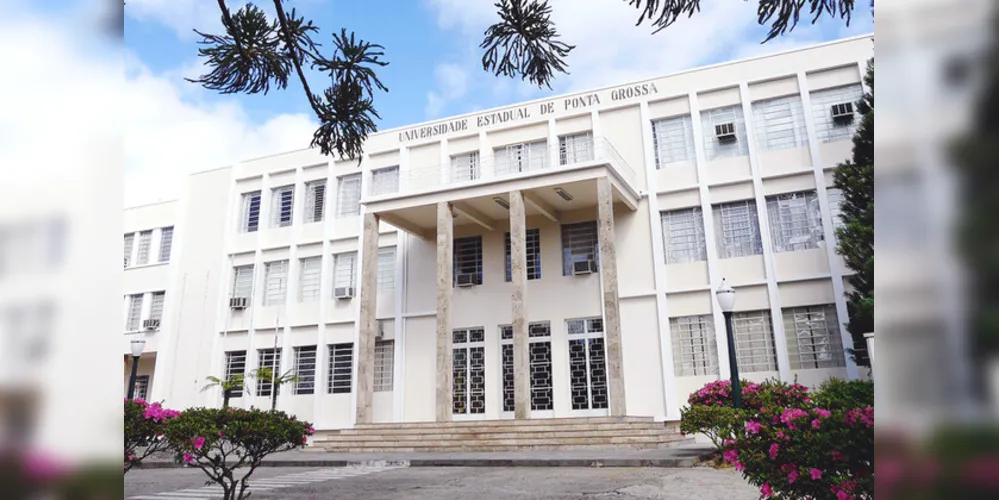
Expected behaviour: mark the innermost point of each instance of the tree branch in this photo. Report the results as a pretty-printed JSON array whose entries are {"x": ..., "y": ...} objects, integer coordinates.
[{"x": 291, "y": 47}]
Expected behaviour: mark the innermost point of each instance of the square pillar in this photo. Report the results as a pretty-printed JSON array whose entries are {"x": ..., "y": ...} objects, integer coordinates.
[
  {"x": 518, "y": 273},
  {"x": 445, "y": 261},
  {"x": 368, "y": 326},
  {"x": 612, "y": 311}
]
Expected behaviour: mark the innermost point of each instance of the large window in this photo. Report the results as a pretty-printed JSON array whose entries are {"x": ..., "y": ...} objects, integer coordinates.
[
  {"x": 465, "y": 167},
  {"x": 579, "y": 244},
  {"x": 385, "y": 181},
  {"x": 305, "y": 369},
  {"x": 694, "y": 347},
  {"x": 813, "y": 337},
  {"x": 340, "y": 368},
  {"x": 250, "y": 215},
  {"x": 524, "y": 157},
  {"x": 275, "y": 282},
  {"x": 345, "y": 270},
  {"x": 779, "y": 123},
  {"x": 826, "y": 128},
  {"x": 754, "y": 341},
  {"x": 134, "y": 318},
  {"x": 156, "y": 306},
  {"x": 166, "y": 242},
  {"x": 683, "y": 236},
  {"x": 315, "y": 200},
  {"x": 575, "y": 148},
  {"x": 310, "y": 278},
  {"x": 282, "y": 205},
  {"x": 795, "y": 221},
  {"x": 533, "y": 255},
  {"x": 271, "y": 360},
  {"x": 540, "y": 351},
  {"x": 384, "y": 365},
  {"x": 737, "y": 229},
  {"x": 235, "y": 365},
  {"x": 587, "y": 364},
  {"x": 145, "y": 245},
  {"x": 836, "y": 199},
  {"x": 242, "y": 281},
  {"x": 348, "y": 202},
  {"x": 673, "y": 140},
  {"x": 468, "y": 260},
  {"x": 141, "y": 387},
  {"x": 724, "y": 132},
  {"x": 386, "y": 269}
]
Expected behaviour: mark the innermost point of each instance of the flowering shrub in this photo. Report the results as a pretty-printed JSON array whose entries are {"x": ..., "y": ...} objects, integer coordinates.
[
  {"x": 144, "y": 424},
  {"x": 718, "y": 423},
  {"x": 754, "y": 396},
  {"x": 220, "y": 440},
  {"x": 836, "y": 394}
]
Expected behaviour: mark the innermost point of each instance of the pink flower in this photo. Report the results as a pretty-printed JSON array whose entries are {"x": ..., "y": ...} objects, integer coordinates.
[
  {"x": 310, "y": 430},
  {"x": 305, "y": 439},
  {"x": 842, "y": 495},
  {"x": 753, "y": 427},
  {"x": 815, "y": 424},
  {"x": 728, "y": 442},
  {"x": 739, "y": 466},
  {"x": 781, "y": 435},
  {"x": 199, "y": 442},
  {"x": 816, "y": 474},
  {"x": 766, "y": 491},
  {"x": 774, "y": 448},
  {"x": 823, "y": 413},
  {"x": 792, "y": 414},
  {"x": 188, "y": 459},
  {"x": 220, "y": 434},
  {"x": 731, "y": 456},
  {"x": 792, "y": 477}
]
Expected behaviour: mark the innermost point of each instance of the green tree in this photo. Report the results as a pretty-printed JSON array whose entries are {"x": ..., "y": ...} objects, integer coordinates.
[
  {"x": 855, "y": 237},
  {"x": 269, "y": 375},
  {"x": 234, "y": 383}
]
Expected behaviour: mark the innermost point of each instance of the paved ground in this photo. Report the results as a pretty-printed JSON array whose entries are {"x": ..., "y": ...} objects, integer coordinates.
[{"x": 441, "y": 483}]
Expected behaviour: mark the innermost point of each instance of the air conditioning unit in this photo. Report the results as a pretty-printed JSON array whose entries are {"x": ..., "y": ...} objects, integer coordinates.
[
  {"x": 725, "y": 132},
  {"x": 343, "y": 292},
  {"x": 151, "y": 324},
  {"x": 238, "y": 303},
  {"x": 584, "y": 267},
  {"x": 842, "y": 113},
  {"x": 465, "y": 279}
]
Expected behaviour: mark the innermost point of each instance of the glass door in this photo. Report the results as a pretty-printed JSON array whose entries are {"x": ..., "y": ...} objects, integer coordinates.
[
  {"x": 587, "y": 367},
  {"x": 469, "y": 374}
]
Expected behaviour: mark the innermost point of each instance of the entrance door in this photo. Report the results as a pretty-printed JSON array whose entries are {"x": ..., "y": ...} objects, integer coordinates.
[
  {"x": 587, "y": 366},
  {"x": 540, "y": 354},
  {"x": 469, "y": 373}
]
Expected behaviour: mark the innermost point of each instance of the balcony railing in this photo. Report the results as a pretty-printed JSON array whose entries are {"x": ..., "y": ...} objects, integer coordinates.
[{"x": 527, "y": 161}]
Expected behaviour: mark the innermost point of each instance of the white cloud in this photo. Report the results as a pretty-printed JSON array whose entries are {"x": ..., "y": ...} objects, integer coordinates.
[
  {"x": 184, "y": 16},
  {"x": 452, "y": 83}
]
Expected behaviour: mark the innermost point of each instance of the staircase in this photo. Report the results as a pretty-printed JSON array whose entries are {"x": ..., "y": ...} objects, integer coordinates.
[{"x": 503, "y": 435}]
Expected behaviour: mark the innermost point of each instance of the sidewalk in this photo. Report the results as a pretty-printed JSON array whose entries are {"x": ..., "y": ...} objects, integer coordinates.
[{"x": 673, "y": 457}]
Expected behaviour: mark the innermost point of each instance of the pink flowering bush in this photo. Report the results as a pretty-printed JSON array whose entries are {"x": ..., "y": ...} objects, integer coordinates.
[
  {"x": 144, "y": 425},
  {"x": 221, "y": 440}
]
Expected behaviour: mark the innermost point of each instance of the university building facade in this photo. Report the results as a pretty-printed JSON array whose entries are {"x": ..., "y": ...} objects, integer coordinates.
[{"x": 550, "y": 259}]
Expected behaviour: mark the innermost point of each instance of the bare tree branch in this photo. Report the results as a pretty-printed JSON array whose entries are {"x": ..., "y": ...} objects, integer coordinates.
[{"x": 524, "y": 43}]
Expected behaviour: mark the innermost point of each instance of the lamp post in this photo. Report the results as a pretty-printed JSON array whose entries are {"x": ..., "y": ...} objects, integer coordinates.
[
  {"x": 137, "y": 346},
  {"x": 726, "y": 301}
]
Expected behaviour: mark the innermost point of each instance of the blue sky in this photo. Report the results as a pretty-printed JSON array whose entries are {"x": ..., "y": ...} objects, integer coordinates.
[{"x": 175, "y": 127}]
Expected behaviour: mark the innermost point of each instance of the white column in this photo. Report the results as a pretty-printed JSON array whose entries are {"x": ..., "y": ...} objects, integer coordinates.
[
  {"x": 612, "y": 309},
  {"x": 367, "y": 323},
  {"x": 835, "y": 270},
  {"x": 487, "y": 163},
  {"x": 445, "y": 259},
  {"x": 518, "y": 273},
  {"x": 777, "y": 319}
]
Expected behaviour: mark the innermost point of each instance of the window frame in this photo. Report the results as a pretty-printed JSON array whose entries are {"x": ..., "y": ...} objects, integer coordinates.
[
  {"x": 570, "y": 253},
  {"x": 282, "y": 206},
  {"x": 533, "y": 248},
  {"x": 733, "y": 242},
  {"x": 250, "y": 211},
  {"x": 683, "y": 248},
  {"x": 305, "y": 384},
  {"x": 340, "y": 378},
  {"x": 315, "y": 201},
  {"x": 467, "y": 258},
  {"x": 348, "y": 207}
]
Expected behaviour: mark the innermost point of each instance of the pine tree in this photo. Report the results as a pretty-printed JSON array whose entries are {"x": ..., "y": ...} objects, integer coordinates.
[{"x": 855, "y": 238}]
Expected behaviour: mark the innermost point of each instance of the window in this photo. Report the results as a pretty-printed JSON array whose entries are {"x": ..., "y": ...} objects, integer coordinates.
[
  {"x": 166, "y": 242},
  {"x": 533, "y": 255},
  {"x": 836, "y": 200},
  {"x": 384, "y": 364},
  {"x": 156, "y": 307},
  {"x": 827, "y": 129},
  {"x": 348, "y": 195},
  {"x": 275, "y": 282},
  {"x": 242, "y": 281},
  {"x": 145, "y": 242},
  {"x": 315, "y": 201},
  {"x": 468, "y": 258},
  {"x": 813, "y": 337},
  {"x": 271, "y": 360},
  {"x": 142, "y": 387},
  {"x": 305, "y": 369},
  {"x": 715, "y": 119},
  {"x": 754, "y": 341},
  {"x": 134, "y": 319},
  {"x": 465, "y": 167},
  {"x": 251, "y": 212},
  {"x": 587, "y": 364},
  {"x": 579, "y": 244},
  {"x": 673, "y": 140},
  {"x": 795, "y": 221},
  {"x": 340, "y": 366},
  {"x": 683, "y": 236},
  {"x": 129, "y": 243},
  {"x": 737, "y": 230},
  {"x": 282, "y": 205},
  {"x": 694, "y": 347},
  {"x": 345, "y": 270},
  {"x": 385, "y": 181},
  {"x": 540, "y": 351},
  {"x": 309, "y": 278},
  {"x": 524, "y": 157},
  {"x": 575, "y": 148},
  {"x": 386, "y": 269},
  {"x": 235, "y": 365},
  {"x": 780, "y": 123}
]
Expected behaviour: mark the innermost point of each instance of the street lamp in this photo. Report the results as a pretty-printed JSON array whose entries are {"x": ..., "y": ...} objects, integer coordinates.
[
  {"x": 726, "y": 301},
  {"x": 137, "y": 346}
]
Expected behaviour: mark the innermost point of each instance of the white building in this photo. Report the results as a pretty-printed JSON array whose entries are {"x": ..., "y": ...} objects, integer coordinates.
[{"x": 393, "y": 286}]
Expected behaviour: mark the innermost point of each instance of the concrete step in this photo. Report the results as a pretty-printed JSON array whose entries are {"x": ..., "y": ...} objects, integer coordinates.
[
  {"x": 527, "y": 422},
  {"x": 476, "y": 446},
  {"x": 493, "y": 426},
  {"x": 490, "y": 434},
  {"x": 609, "y": 440}
]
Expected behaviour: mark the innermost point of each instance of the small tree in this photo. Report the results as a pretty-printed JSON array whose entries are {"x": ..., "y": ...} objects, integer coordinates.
[
  {"x": 234, "y": 383},
  {"x": 269, "y": 375},
  {"x": 220, "y": 441},
  {"x": 144, "y": 426}
]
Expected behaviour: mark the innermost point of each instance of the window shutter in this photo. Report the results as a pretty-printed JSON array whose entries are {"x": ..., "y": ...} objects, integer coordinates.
[
  {"x": 310, "y": 278},
  {"x": 166, "y": 242}
]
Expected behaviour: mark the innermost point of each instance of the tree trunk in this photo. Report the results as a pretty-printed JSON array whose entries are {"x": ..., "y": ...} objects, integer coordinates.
[{"x": 274, "y": 391}]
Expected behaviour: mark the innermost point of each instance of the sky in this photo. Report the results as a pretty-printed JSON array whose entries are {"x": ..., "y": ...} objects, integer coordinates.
[{"x": 173, "y": 127}]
